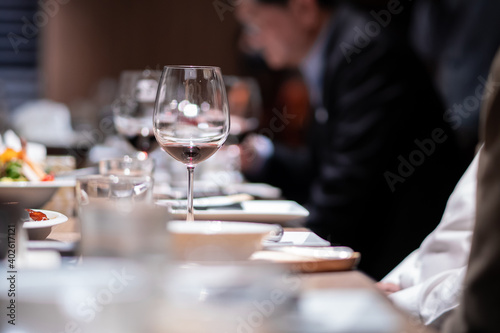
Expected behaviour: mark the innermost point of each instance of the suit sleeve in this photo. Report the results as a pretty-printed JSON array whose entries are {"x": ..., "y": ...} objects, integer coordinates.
[{"x": 372, "y": 114}]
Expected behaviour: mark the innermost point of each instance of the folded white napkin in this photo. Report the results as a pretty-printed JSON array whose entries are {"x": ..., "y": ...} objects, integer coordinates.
[{"x": 298, "y": 238}]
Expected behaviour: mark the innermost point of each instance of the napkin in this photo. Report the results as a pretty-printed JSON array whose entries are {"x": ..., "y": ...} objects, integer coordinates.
[
  {"x": 215, "y": 202},
  {"x": 41, "y": 259},
  {"x": 298, "y": 238}
]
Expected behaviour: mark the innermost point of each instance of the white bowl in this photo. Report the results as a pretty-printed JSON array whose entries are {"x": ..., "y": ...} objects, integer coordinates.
[
  {"x": 216, "y": 240},
  {"x": 38, "y": 230},
  {"x": 32, "y": 194}
]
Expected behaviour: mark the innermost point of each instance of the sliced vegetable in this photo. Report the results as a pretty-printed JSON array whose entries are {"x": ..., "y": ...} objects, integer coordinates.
[
  {"x": 17, "y": 166},
  {"x": 13, "y": 169},
  {"x": 10, "y": 154}
]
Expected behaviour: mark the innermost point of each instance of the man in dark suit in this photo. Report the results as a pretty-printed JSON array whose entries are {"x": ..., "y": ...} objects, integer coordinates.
[
  {"x": 480, "y": 305},
  {"x": 380, "y": 161}
]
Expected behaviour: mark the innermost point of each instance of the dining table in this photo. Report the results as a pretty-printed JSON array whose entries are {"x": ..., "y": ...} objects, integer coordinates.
[{"x": 324, "y": 281}]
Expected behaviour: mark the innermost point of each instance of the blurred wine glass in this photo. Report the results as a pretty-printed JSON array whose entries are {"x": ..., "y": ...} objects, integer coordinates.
[
  {"x": 245, "y": 103},
  {"x": 191, "y": 117},
  {"x": 133, "y": 108}
]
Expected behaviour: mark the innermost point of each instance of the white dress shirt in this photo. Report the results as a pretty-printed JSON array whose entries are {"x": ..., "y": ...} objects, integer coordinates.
[{"x": 431, "y": 277}]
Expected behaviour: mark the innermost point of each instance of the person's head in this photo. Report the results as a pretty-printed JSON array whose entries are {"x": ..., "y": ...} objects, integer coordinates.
[{"x": 283, "y": 30}]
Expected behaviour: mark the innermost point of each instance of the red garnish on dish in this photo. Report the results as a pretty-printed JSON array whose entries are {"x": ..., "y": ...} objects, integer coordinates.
[
  {"x": 37, "y": 216},
  {"x": 48, "y": 178}
]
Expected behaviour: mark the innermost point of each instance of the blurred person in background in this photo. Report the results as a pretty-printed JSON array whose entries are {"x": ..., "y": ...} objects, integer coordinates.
[
  {"x": 457, "y": 40},
  {"x": 380, "y": 162}
]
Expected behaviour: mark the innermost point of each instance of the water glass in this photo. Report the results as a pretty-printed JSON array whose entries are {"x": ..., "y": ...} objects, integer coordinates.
[
  {"x": 111, "y": 211},
  {"x": 139, "y": 165},
  {"x": 223, "y": 298}
]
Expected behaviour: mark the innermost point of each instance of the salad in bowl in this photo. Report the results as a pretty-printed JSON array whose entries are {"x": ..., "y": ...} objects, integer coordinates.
[
  {"x": 22, "y": 177},
  {"x": 16, "y": 166}
]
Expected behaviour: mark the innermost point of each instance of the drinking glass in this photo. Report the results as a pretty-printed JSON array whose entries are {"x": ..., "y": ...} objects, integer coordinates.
[
  {"x": 240, "y": 297},
  {"x": 111, "y": 210},
  {"x": 191, "y": 117},
  {"x": 133, "y": 108},
  {"x": 127, "y": 166}
]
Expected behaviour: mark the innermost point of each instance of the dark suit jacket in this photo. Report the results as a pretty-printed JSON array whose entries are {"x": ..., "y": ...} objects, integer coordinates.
[
  {"x": 365, "y": 180},
  {"x": 479, "y": 309}
]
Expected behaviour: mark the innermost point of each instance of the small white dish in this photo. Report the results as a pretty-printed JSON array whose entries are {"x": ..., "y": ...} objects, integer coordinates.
[
  {"x": 298, "y": 238},
  {"x": 38, "y": 230},
  {"x": 267, "y": 211},
  {"x": 32, "y": 194},
  {"x": 260, "y": 190},
  {"x": 216, "y": 240},
  {"x": 320, "y": 252}
]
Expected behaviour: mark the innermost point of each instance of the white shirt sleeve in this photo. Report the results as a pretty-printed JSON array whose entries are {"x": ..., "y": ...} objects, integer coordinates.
[
  {"x": 406, "y": 269},
  {"x": 432, "y": 300}
]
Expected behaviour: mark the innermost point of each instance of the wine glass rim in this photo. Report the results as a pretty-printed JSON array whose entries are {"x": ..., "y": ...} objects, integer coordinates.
[
  {"x": 139, "y": 71},
  {"x": 112, "y": 178},
  {"x": 191, "y": 67}
]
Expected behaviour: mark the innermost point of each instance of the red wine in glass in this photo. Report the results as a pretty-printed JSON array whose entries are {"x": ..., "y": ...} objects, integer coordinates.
[
  {"x": 146, "y": 143},
  {"x": 191, "y": 154},
  {"x": 134, "y": 106}
]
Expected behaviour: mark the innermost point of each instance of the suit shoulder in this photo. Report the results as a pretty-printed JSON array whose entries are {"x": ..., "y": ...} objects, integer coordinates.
[{"x": 356, "y": 34}]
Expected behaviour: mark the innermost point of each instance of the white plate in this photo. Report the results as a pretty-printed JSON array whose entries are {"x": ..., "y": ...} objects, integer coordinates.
[
  {"x": 38, "y": 230},
  {"x": 298, "y": 238},
  {"x": 47, "y": 184},
  {"x": 54, "y": 218},
  {"x": 32, "y": 194},
  {"x": 268, "y": 211},
  {"x": 261, "y": 190}
]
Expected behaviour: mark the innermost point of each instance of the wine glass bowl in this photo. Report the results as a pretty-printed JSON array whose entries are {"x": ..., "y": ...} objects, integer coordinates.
[
  {"x": 191, "y": 116},
  {"x": 134, "y": 106}
]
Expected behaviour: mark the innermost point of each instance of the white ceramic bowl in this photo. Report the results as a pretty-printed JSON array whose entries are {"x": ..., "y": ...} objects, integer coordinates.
[
  {"x": 32, "y": 194},
  {"x": 38, "y": 230},
  {"x": 216, "y": 240}
]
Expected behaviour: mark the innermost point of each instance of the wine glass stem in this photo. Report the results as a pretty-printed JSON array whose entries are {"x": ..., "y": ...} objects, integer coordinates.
[{"x": 190, "y": 214}]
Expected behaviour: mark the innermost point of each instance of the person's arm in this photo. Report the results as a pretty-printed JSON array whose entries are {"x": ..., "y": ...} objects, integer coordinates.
[
  {"x": 283, "y": 167},
  {"x": 432, "y": 300},
  {"x": 405, "y": 270}
]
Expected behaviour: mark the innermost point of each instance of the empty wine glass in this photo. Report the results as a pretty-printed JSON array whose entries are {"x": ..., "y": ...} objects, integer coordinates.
[
  {"x": 133, "y": 108},
  {"x": 191, "y": 116}
]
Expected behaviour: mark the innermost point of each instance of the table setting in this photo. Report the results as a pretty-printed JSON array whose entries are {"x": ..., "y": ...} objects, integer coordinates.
[{"x": 113, "y": 247}]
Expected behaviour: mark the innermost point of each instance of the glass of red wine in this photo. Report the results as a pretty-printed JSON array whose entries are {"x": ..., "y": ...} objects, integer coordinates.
[
  {"x": 134, "y": 106},
  {"x": 191, "y": 117}
]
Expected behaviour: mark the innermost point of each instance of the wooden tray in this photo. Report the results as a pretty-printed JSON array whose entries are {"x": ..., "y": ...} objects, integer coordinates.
[{"x": 304, "y": 264}]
